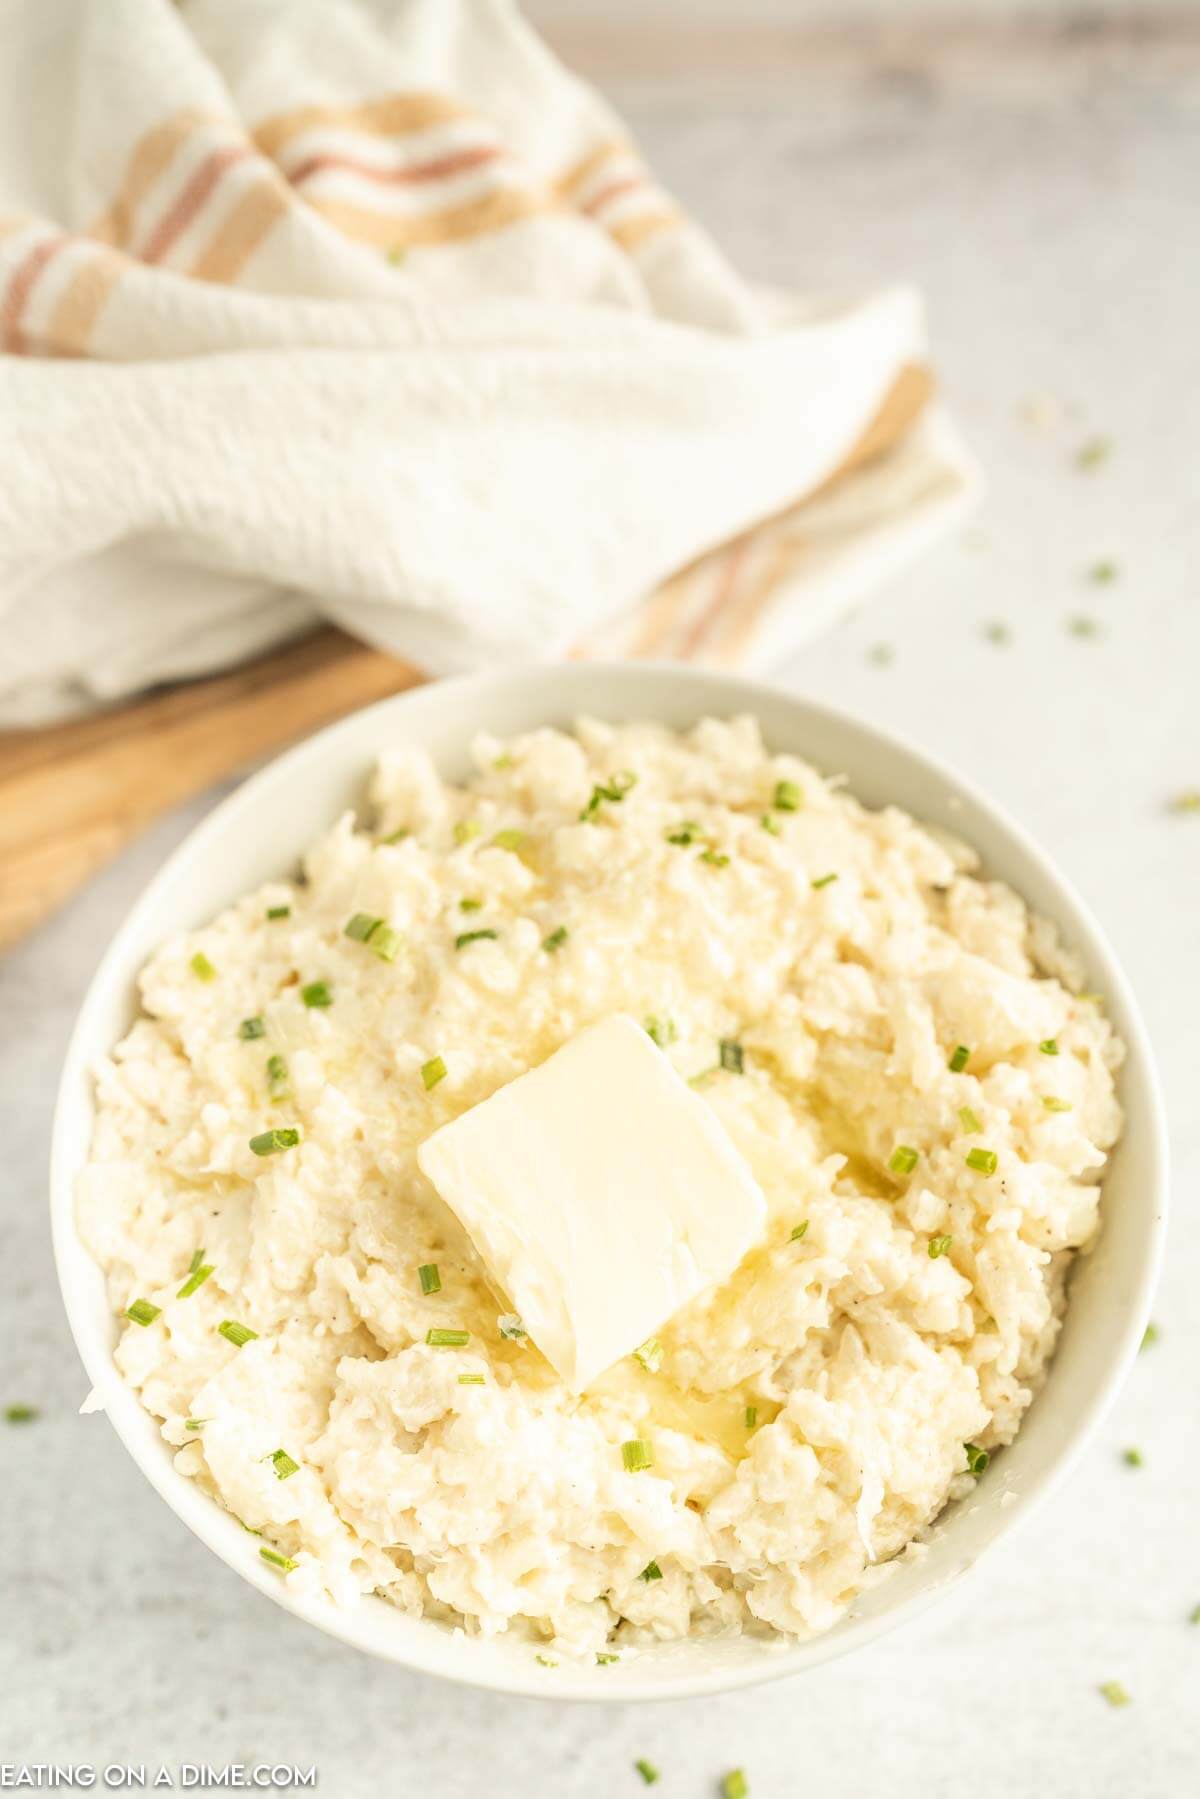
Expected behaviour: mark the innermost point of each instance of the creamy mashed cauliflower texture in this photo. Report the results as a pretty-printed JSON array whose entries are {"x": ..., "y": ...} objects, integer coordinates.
[{"x": 894, "y": 1045}]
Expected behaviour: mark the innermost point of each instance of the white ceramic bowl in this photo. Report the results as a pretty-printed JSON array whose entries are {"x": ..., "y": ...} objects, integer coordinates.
[{"x": 261, "y": 830}]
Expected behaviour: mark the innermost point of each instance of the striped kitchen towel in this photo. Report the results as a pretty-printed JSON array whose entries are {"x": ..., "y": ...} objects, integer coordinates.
[{"x": 367, "y": 310}]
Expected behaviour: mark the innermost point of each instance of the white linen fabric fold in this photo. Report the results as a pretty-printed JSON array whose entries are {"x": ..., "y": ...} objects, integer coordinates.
[{"x": 369, "y": 311}]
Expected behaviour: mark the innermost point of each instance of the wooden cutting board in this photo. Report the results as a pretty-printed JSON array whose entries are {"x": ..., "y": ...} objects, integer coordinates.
[{"x": 73, "y": 795}]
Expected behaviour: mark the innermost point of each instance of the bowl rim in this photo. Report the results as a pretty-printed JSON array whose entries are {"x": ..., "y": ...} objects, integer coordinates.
[{"x": 200, "y": 1513}]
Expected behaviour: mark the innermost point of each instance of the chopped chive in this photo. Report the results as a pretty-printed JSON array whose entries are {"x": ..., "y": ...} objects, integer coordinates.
[
  {"x": 142, "y": 1312},
  {"x": 1049, "y": 1046},
  {"x": 508, "y": 840},
  {"x": 465, "y": 829},
  {"x": 465, "y": 937},
  {"x": 650, "y": 1572},
  {"x": 647, "y": 1770},
  {"x": 959, "y": 1059},
  {"x": 286, "y": 1562},
  {"x": 770, "y": 823},
  {"x": 649, "y": 1354},
  {"x": 684, "y": 833},
  {"x": 714, "y": 858},
  {"x": 977, "y": 1459},
  {"x": 1133, "y": 1458},
  {"x": 1055, "y": 1105},
  {"x": 903, "y": 1159},
  {"x": 824, "y": 881},
  {"x": 1102, "y": 572},
  {"x": 613, "y": 790},
  {"x": 1149, "y": 1336},
  {"x": 316, "y": 993},
  {"x": 201, "y": 967},
  {"x": 196, "y": 1261},
  {"x": 1114, "y": 1692},
  {"x": 277, "y": 1077},
  {"x": 661, "y": 1031},
  {"x": 997, "y": 632},
  {"x": 397, "y": 255},
  {"x": 504, "y": 761},
  {"x": 555, "y": 940},
  {"x": 248, "y": 1528},
  {"x": 939, "y": 1246},
  {"x": 799, "y": 1231},
  {"x": 194, "y": 1423},
  {"x": 1093, "y": 453},
  {"x": 788, "y": 796},
  {"x": 735, "y": 1785},
  {"x": 1194, "y": 1615},
  {"x": 604, "y": 1661},
  {"x": 636, "y": 1455},
  {"x": 1187, "y": 801},
  {"x": 881, "y": 654},
  {"x": 470, "y": 905},
  {"x": 396, "y": 836},
  {"x": 430, "y": 1279},
  {"x": 269, "y": 1143},
  {"x": 283, "y": 1464},
  {"x": 279, "y": 911},
  {"x": 195, "y": 1280},
  {"x": 985, "y": 1160},
  {"x": 447, "y": 1339},
  {"x": 1080, "y": 625},
  {"x": 751, "y": 1416},
  {"x": 969, "y": 1120},
  {"x": 510, "y": 1327},
  {"x": 20, "y": 1414},
  {"x": 472, "y": 1380},
  {"x": 732, "y": 1055},
  {"x": 361, "y": 925},
  {"x": 235, "y": 1333},
  {"x": 433, "y": 1071},
  {"x": 1090, "y": 999},
  {"x": 250, "y": 1028},
  {"x": 385, "y": 943},
  {"x": 545, "y": 1661}
]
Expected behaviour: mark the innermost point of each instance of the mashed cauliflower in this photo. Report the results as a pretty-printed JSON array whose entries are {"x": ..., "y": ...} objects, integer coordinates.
[{"x": 923, "y": 1097}]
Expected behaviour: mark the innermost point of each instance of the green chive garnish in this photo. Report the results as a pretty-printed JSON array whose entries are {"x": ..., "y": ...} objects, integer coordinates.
[
  {"x": 969, "y": 1120},
  {"x": 751, "y": 1416},
  {"x": 1149, "y": 1336},
  {"x": 465, "y": 829},
  {"x": 142, "y": 1312},
  {"x": 472, "y": 1380},
  {"x": 269, "y": 1143},
  {"x": 277, "y": 1077},
  {"x": 555, "y": 940},
  {"x": 279, "y": 911},
  {"x": 1090, "y": 455},
  {"x": 788, "y": 797},
  {"x": 684, "y": 833},
  {"x": 236, "y": 1333},
  {"x": 470, "y": 905},
  {"x": 636, "y": 1455},
  {"x": 903, "y": 1159},
  {"x": 250, "y": 1028},
  {"x": 985, "y": 1160},
  {"x": 603, "y": 1661},
  {"x": 650, "y": 1572},
  {"x": 1133, "y": 1458},
  {"x": 1187, "y": 801},
  {"x": 1114, "y": 1692},
  {"x": 396, "y": 836},
  {"x": 430, "y": 1279},
  {"x": 735, "y": 1785},
  {"x": 977, "y": 1459},
  {"x": 1049, "y": 1047},
  {"x": 465, "y": 937},
  {"x": 316, "y": 993},
  {"x": 824, "y": 881},
  {"x": 379, "y": 937},
  {"x": 286, "y": 1562},
  {"x": 20, "y": 1414},
  {"x": 446, "y": 1339},
  {"x": 959, "y": 1059},
  {"x": 283, "y": 1464},
  {"x": 545, "y": 1661},
  {"x": 649, "y": 1354},
  {"x": 647, "y": 1770},
  {"x": 433, "y": 1071},
  {"x": 194, "y": 1423},
  {"x": 939, "y": 1246},
  {"x": 714, "y": 858},
  {"x": 1102, "y": 573},
  {"x": 613, "y": 790},
  {"x": 661, "y": 1031},
  {"x": 1194, "y": 1615},
  {"x": 770, "y": 823},
  {"x": 1055, "y": 1105},
  {"x": 201, "y": 967},
  {"x": 361, "y": 925},
  {"x": 197, "y": 1274},
  {"x": 798, "y": 1232},
  {"x": 733, "y": 1056},
  {"x": 508, "y": 840},
  {"x": 510, "y": 1327}
]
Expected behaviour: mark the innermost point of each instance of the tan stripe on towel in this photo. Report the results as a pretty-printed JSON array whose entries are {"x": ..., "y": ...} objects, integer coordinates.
[
  {"x": 454, "y": 162},
  {"x": 198, "y": 190},
  {"x": 83, "y": 300},
  {"x": 150, "y": 158},
  {"x": 741, "y": 621},
  {"x": 391, "y": 116},
  {"x": 489, "y": 212},
  {"x": 595, "y": 159},
  {"x": 238, "y": 236},
  {"x": 21, "y": 284},
  {"x": 632, "y": 233}
]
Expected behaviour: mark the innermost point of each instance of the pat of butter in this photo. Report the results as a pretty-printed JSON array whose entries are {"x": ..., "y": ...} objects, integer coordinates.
[{"x": 601, "y": 1193}]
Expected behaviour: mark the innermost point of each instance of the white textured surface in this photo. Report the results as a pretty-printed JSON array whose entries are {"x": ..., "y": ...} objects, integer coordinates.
[{"x": 1047, "y": 204}]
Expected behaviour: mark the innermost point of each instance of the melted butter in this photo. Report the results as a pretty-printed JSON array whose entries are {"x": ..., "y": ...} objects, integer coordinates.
[{"x": 718, "y": 1418}]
